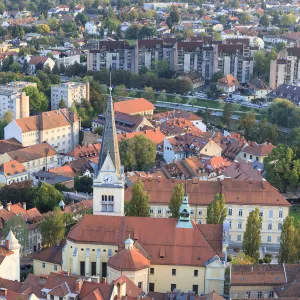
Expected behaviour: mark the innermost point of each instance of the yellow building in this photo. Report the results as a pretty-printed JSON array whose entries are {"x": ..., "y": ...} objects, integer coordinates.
[
  {"x": 156, "y": 254},
  {"x": 241, "y": 198}
]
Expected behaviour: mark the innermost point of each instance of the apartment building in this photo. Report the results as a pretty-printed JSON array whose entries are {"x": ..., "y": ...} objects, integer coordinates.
[
  {"x": 199, "y": 54},
  {"x": 12, "y": 171},
  {"x": 118, "y": 55},
  {"x": 285, "y": 68},
  {"x": 235, "y": 57},
  {"x": 241, "y": 198},
  {"x": 70, "y": 92},
  {"x": 60, "y": 128}
]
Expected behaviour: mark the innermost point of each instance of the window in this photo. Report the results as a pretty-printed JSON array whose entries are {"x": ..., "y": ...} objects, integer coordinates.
[
  {"x": 240, "y": 212},
  {"x": 271, "y": 294},
  {"x": 199, "y": 221},
  {"x": 140, "y": 284},
  {"x": 245, "y": 155},
  {"x": 248, "y": 295},
  {"x": 159, "y": 211},
  {"x": 43, "y": 265},
  {"x": 239, "y": 238},
  {"x": 280, "y": 214},
  {"x": 152, "y": 271},
  {"x": 270, "y": 213},
  {"x": 239, "y": 225},
  {"x": 173, "y": 272},
  {"x": 230, "y": 224},
  {"x": 151, "y": 211},
  {"x": 270, "y": 226},
  {"x": 200, "y": 212},
  {"x": 229, "y": 211},
  {"x": 151, "y": 287},
  {"x": 259, "y": 295},
  {"x": 278, "y": 239},
  {"x": 55, "y": 267},
  {"x": 269, "y": 239},
  {"x": 51, "y": 297},
  {"x": 196, "y": 273},
  {"x": 279, "y": 226},
  {"x": 257, "y": 158},
  {"x": 173, "y": 287},
  {"x": 250, "y": 156},
  {"x": 195, "y": 288},
  {"x": 192, "y": 212},
  {"x": 261, "y": 213}
]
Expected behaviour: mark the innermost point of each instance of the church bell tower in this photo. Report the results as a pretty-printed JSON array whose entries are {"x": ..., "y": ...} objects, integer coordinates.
[{"x": 108, "y": 186}]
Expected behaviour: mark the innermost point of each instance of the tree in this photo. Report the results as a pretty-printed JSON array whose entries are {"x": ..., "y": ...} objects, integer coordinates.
[
  {"x": 15, "y": 67},
  {"x": 282, "y": 167},
  {"x": 55, "y": 69},
  {"x": 216, "y": 76},
  {"x": 227, "y": 114},
  {"x": 216, "y": 210},
  {"x": 83, "y": 184},
  {"x": 149, "y": 94},
  {"x": 62, "y": 104},
  {"x": 52, "y": 228},
  {"x": 139, "y": 203},
  {"x": 217, "y": 36},
  {"x": 43, "y": 28},
  {"x": 244, "y": 18},
  {"x": 120, "y": 91},
  {"x": 288, "y": 20},
  {"x": 8, "y": 116},
  {"x": 162, "y": 97},
  {"x": 81, "y": 19},
  {"x": 19, "y": 228},
  {"x": 176, "y": 200},
  {"x": 99, "y": 130},
  {"x": 247, "y": 124},
  {"x": 261, "y": 64},
  {"x": 38, "y": 100},
  {"x": 264, "y": 21},
  {"x": 252, "y": 239},
  {"x": 25, "y": 67},
  {"x": 161, "y": 68},
  {"x": 46, "y": 197},
  {"x": 242, "y": 259},
  {"x": 288, "y": 246},
  {"x": 137, "y": 153}
]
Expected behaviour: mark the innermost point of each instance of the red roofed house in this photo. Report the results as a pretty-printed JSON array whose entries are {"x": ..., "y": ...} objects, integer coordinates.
[
  {"x": 39, "y": 62},
  {"x": 256, "y": 151},
  {"x": 13, "y": 171},
  {"x": 228, "y": 83},
  {"x": 137, "y": 106}
]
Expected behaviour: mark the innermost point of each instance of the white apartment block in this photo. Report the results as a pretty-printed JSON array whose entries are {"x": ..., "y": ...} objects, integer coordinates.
[
  {"x": 60, "y": 128},
  {"x": 70, "y": 92},
  {"x": 285, "y": 68},
  {"x": 68, "y": 60}
]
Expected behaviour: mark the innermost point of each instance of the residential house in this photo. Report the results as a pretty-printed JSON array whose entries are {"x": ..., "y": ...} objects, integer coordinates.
[
  {"x": 60, "y": 128},
  {"x": 124, "y": 122},
  {"x": 136, "y": 106},
  {"x": 39, "y": 63},
  {"x": 178, "y": 126},
  {"x": 34, "y": 158},
  {"x": 256, "y": 151},
  {"x": 89, "y": 151},
  {"x": 13, "y": 171},
  {"x": 9, "y": 145},
  {"x": 241, "y": 198},
  {"x": 182, "y": 146},
  {"x": 92, "y": 27},
  {"x": 258, "y": 88},
  {"x": 286, "y": 91},
  {"x": 51, "y": 178},
  {"x": 228, "y": 84}
]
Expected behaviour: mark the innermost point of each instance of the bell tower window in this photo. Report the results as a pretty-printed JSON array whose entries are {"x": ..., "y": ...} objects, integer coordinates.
[{"x": 107, "y": 203}]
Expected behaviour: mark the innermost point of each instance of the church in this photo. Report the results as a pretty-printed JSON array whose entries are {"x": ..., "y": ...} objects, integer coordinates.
[{"x": 157, "y": 254}]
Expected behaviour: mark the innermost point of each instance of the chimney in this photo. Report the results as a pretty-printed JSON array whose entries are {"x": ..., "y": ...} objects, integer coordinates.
[
  {"x": 3, "y": 292},
  {"x": 7, "y": 244},
  {"x": 8, "y": 206},
  {"x": 249, "y": 162},
  {"x": 42, "y": 279},
  {"x": 259, "y": 171},
  {"x": 24, "y": 206},
  {"x": 173, "y": 179},
  {"x": 158, "y": 178},
  {"x": 78, "y": 285},
  {"x": 104, "y": 280}
]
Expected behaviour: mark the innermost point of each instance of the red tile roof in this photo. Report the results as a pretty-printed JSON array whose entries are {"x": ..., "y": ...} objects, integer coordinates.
[
  {"x": 131, "y": 289},
  {"x": 259, "y": 149},
  {"x": 181, "y": 246},
  {"x": 12, "y": 167},
  {"x": 133, "y": 106},
  {"x": 156, "y": 136}
]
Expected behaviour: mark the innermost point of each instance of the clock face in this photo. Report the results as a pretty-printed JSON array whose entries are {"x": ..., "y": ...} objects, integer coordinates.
[{"x": 107, "y": 178}]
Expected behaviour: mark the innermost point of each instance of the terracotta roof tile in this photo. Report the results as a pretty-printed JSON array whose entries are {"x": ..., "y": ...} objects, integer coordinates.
[
  {"x": 156, "y": 136},
  {"x": 95, "y": 291},
  {"x": 12, "y": 167},
  {"x": 9, "y": 145},
  {"x": 236, "y": 192},
  {"x": 259, "y": 149},
  {"x": 11, "y": 285},
  {"x": 133, "y": 106},
  {"x": 182, "y": 246},
  {"x": 131, "y": 289},
  {"x": 229, "y": 81},
  {"x": 52, "y": 254}
]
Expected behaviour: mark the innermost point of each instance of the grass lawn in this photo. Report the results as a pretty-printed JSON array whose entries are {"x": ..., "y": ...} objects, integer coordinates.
[{"x": 295, "y": 214}]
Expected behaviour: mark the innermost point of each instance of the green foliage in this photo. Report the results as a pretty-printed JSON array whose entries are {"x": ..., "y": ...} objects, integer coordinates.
[
  {"x": 264, "y": 20},
  {"x": 62, "y": 104},
  {"x": 83, "y": 184},
  {"x": 139, "y": 203},
  {"x": 289, "y": 240},
  {"x": 99, "y": 130},
  {"x": 227, "y": 114},
  {"x": 161, "y": 68},
  {"x": 288, "y": 20},
  {"x": 81, "y": 19},
  {"x": 46, "y": 197},
  {"x": 19, "y": 227},
  {"x": 140, "y": 32},
  {"x": 252, "y": 239},
  {"x": 120, "y": 91},
  {"x": 216, "y": 210},
  {"x": 38, "y": 100},
  {"x": 137, "y": 153},
  {"x": 282, "y": 166},
  {"x": 72, "y": 218},
  {"x": 149, "y": 94},
  {"x": 52, "y": 228},
  {"x": 242, "y": 259},
  {"x": 176, "y": 200},
  {"x": 284, "y": 113}
]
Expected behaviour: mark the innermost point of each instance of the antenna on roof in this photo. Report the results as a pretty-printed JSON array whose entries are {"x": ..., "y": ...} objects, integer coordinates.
[{"x": 110, "y": 88}]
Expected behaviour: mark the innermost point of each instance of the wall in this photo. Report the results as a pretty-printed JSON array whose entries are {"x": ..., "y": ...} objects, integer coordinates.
[
  {"x": 239, "y": 292},
  {"x": 49, "y": 267},
  {"x": 12, "y": 130}
]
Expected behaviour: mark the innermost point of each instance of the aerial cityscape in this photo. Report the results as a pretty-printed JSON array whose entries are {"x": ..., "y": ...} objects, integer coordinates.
[{"x": 149, "y": 150}]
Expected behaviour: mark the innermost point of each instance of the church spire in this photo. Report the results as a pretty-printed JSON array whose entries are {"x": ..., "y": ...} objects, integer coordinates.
[{"x": 109, "y": 139}]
